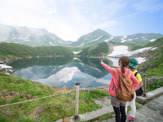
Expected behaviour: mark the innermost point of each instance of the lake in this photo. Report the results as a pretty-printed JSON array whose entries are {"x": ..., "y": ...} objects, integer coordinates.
[{"x": 64, "y": 71}]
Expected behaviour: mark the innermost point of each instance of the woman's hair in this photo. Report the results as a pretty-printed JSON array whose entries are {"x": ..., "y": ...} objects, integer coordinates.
[{"x": 125, "y": 60}]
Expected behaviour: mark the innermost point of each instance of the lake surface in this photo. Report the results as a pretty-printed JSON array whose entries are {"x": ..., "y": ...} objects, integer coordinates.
[{"x": 60, "y": 72}]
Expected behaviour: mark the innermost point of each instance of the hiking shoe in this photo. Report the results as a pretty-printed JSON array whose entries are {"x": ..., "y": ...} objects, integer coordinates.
[{"x": 132, "y": 120}]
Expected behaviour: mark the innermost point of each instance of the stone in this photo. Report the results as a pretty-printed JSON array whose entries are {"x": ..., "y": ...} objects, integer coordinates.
[
  {"x": 40, "y": 109},
  {"x": 12, "y": 93},
  {"x": 161, "y": 111},
  {"x": 28, "y": 96}
]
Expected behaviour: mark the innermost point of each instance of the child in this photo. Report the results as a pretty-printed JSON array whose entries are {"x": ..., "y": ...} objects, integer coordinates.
[
  {"x": 133, "y": 66},
  {"x": 119, "y": 105}
]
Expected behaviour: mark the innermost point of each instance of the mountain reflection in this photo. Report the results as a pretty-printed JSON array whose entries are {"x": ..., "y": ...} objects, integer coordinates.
[{"x": 65, "y": 71}]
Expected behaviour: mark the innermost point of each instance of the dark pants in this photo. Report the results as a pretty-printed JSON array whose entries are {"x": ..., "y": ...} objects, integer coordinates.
[{"x": 120, "y": 111}]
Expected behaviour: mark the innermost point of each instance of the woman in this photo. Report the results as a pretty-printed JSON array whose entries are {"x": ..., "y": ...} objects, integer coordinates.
[{"x": 119, "y": 105}]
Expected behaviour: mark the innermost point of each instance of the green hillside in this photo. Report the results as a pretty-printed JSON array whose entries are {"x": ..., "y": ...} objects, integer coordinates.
[
  {"x": 12, "y": 50},
  {"x": 157, "y": 43},
  {"x": 96, "y": 50},
  {"x": 153, "y": 67},
  {"x": 14, "y": 89}
]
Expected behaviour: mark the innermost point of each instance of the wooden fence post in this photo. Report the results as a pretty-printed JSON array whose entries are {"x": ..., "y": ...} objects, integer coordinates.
[
  {"x": 144, "y": 85},
  {"x": 76, "y": 117}
]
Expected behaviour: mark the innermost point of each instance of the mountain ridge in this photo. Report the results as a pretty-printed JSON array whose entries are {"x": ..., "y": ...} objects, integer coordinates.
[
  {"x": 42, "y": 37},
  {"x": 28, "y": 36}
]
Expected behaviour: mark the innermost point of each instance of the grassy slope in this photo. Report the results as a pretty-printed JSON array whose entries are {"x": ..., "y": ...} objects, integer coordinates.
[
  {"x": 154, "y": 65},
  {"x": 96, "y": 50},
  {"x": 14, "y": 89},
  {"x": 11, "y": 50}
]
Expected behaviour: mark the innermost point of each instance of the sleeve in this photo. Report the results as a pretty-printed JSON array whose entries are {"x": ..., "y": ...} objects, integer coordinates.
[
  {"x": 107, "y": 67},
  {"x": 134, "y": 80}
]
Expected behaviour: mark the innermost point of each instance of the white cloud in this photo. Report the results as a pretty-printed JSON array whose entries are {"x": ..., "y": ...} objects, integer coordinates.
[
  {"x": 64, "y": 75},
  {"x": 68, "y": 23},
  {"x": 70, "y": 19}
]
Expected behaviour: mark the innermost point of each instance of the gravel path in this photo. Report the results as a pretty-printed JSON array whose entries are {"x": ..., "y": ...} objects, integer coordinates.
[{"x": 150, "y": 112}]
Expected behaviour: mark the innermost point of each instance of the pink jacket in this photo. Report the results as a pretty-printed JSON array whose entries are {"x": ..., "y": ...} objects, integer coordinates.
[{"x": 115, "y": 78}]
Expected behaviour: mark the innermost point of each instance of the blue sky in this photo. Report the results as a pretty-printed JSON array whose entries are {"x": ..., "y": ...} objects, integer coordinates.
[{"x": 70, "y": 19}]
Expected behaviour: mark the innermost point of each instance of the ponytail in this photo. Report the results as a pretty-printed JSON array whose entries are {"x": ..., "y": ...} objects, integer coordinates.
[
  {"x": 125, "y": 60},
  {"x": 122, "y": 69}
]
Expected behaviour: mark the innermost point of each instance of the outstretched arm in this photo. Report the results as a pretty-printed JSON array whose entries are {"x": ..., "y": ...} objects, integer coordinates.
[{"x": 107, "y": 67}]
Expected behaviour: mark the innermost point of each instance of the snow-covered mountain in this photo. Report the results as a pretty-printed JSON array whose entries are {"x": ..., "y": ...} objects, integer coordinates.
[
  {"x": 29, "y": 36},
  {"x": 41, "y": 37}
]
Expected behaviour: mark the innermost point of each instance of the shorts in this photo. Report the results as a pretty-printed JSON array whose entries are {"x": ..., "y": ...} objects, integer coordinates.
[{"x": 116, "y": 102}]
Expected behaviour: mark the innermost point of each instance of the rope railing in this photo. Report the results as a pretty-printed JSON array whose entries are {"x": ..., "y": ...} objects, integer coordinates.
[
  {"x": 35, "y": 99},
  {"x": 80, "y": 89},
  {"x": 76, "y": 116}
]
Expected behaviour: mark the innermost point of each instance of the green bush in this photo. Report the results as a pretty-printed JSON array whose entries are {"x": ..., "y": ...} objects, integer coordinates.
[{"x": 154, "y": 85}]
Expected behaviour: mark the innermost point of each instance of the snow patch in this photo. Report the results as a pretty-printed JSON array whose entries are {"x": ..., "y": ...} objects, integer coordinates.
[
  {"x": 3, "y": 66},
  {"x": 80, "y": 45},
  {"x": 90, "y": 41},
  {"x": 153, "y": 48},
  {"x": 96, "y": 39},
  {"x": 107, "y": 40},
  {"x": 141, "y": 59},
  {"x": 123, "y": 39},
  {"x": 137, "y": 51},
  {"x": 51, "y": 43},
  {"x": 152, "y": 40},
  {"x": 118, "y": 50},
  {"x": 122, "y": 50},
  {"x": 77, "y": 52}
]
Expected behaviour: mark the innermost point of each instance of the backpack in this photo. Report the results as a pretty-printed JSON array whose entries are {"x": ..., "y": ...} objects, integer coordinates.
[
  {"x": 139, "y": 92},
  {"x": 125, "y": 92}
]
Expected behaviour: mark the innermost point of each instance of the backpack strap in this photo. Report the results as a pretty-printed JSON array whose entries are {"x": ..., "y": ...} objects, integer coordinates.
[
  {"x": 121, "y": 74},
  {"x": 136, "y": 73}
]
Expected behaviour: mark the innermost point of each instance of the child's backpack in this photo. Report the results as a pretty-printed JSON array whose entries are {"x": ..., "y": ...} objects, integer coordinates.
[
  {"x": 139, "y": 92},
  {"x": 125, "y": 92}
]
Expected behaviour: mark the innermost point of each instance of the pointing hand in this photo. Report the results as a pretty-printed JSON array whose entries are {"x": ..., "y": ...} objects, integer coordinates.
[{"x": 102, "y": 62}]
